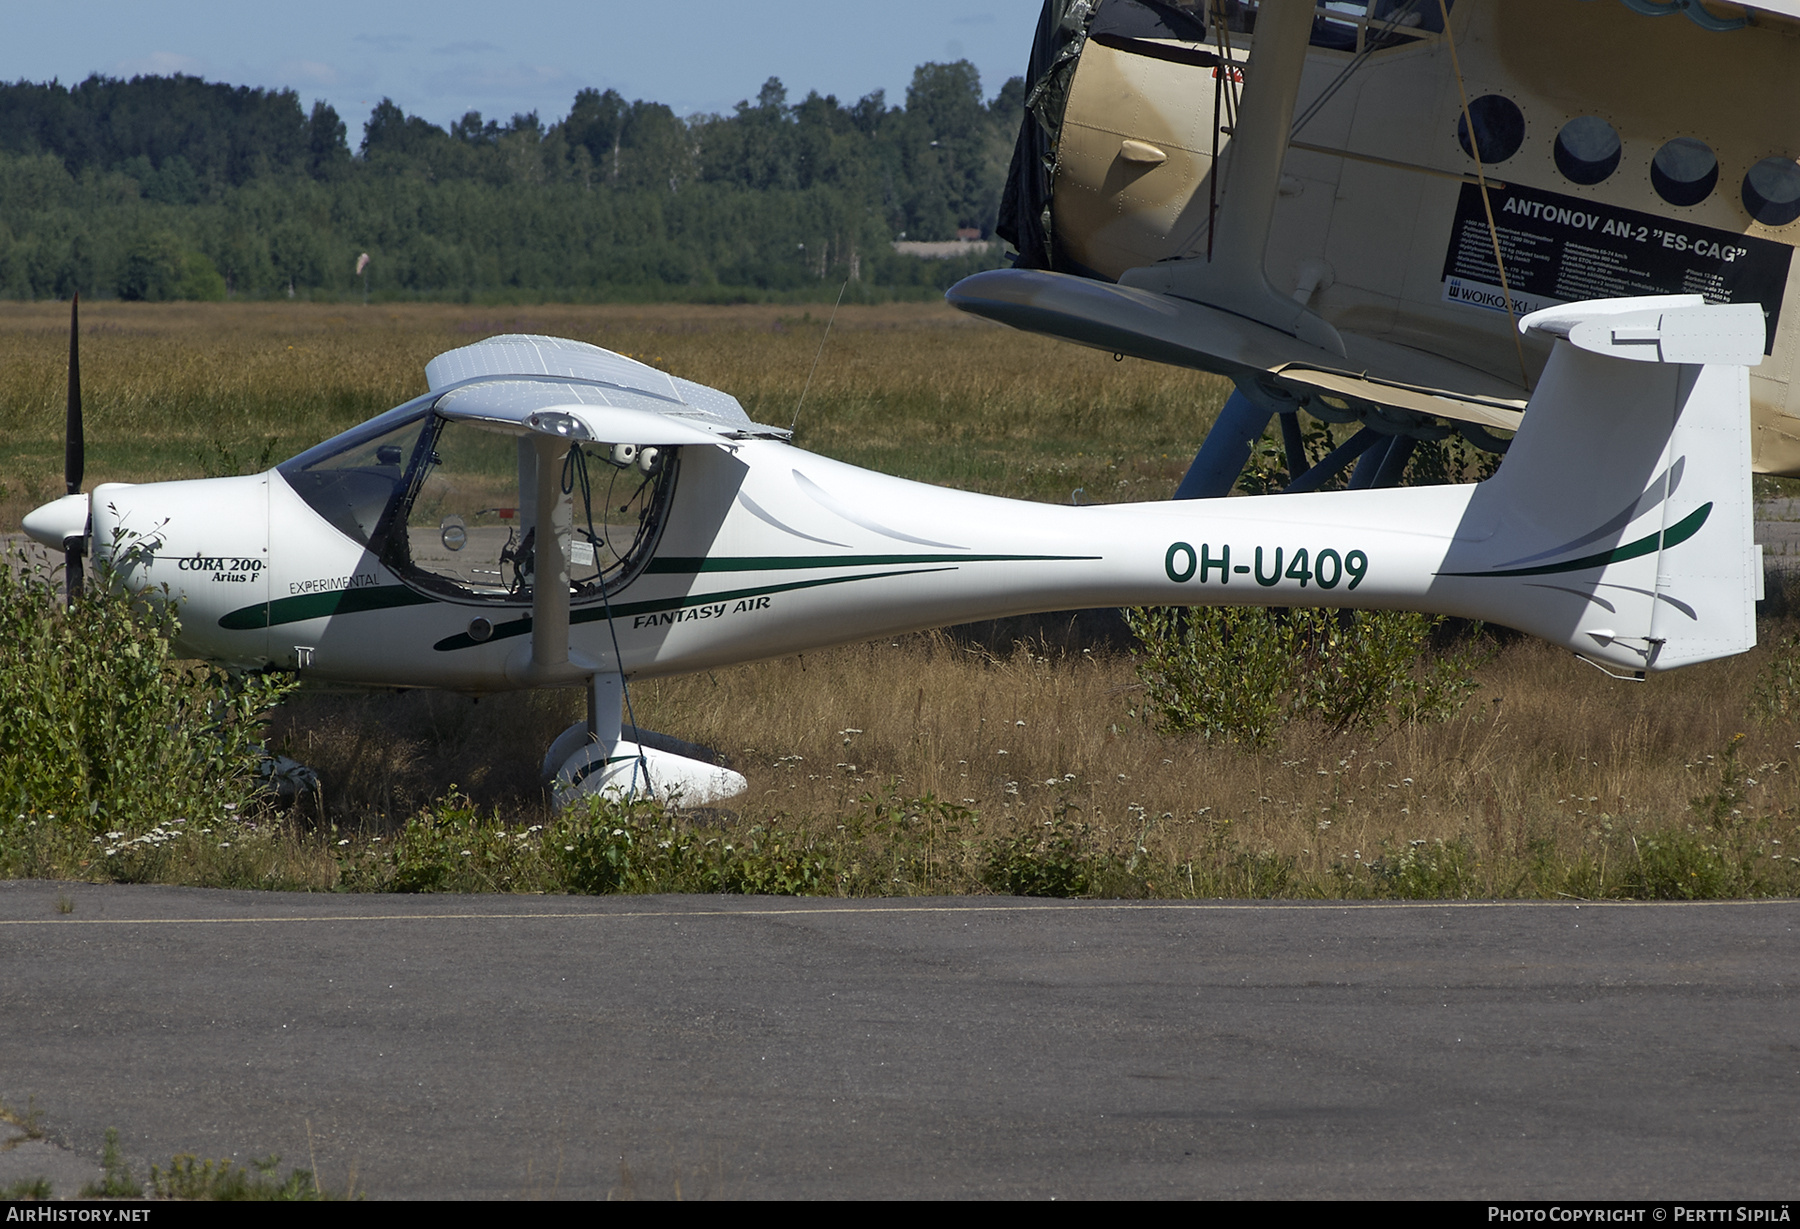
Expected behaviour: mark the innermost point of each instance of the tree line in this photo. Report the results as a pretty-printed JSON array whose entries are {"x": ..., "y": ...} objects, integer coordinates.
[{"x": 173, "y": 187}]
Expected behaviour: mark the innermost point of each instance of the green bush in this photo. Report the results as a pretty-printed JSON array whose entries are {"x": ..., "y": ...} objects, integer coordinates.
[
  {"x": 1222, "y": 673},
  {"x": 1241, "y": 673},
  {"x": 643, "y": 847},
  {"x": 104, "y": 734},
  {"x": 451, "y": 846},
  {"x": 894, "y": 845},
  {"x": 1427, "y": 870},
  {"x": 600, "y": 846},
  {"x": 1681, "y": 865},
  {"x": 1060, "y": 860},
  {"x": 633, "y": 847}
]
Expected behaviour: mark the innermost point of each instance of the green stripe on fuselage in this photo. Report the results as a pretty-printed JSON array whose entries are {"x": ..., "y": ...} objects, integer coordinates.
[
  {"x": 1674, "y": 535},
  {"x": 387, "y": 597},
  {"x": 692, "y": 565},
  {"x": 320, "y": 606},
  {"x": 620, "y": 610}
]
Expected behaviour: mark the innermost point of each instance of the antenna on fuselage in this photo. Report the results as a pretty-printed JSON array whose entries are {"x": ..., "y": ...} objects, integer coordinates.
[{"x": 815, "y": 366}]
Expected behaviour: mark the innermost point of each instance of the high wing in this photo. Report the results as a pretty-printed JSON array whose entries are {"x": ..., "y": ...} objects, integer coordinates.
[
  {"x": 506, "y": 379},
  {"x": 577, "y": 411},
  {"x": 1169, "y": 328}
]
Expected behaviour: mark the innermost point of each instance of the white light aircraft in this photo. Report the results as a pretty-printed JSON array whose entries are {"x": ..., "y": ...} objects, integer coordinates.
[{"x": 551, "y": 514}]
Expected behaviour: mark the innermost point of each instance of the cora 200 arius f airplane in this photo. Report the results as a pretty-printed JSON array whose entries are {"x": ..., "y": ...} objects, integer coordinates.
[{"x": 551, "y": 514}]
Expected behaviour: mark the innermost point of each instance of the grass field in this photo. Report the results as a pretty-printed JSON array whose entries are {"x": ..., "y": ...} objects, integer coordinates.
[
  {"x": 184, "y": 390},
  {"x": 1552, "y": 780}
]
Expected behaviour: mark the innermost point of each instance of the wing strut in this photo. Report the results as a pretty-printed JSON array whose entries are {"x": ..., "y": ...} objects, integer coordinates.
[
  {"x": 1233, "y": 278},
  {"x": 546, "y": 661}
]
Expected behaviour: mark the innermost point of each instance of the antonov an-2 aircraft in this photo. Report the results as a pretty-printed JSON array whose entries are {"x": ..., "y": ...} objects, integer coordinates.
[{"x": 1347, "y": 207}]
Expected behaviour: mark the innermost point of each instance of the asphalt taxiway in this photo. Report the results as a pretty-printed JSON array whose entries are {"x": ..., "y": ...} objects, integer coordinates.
[{"x": 507, "y": 1046}]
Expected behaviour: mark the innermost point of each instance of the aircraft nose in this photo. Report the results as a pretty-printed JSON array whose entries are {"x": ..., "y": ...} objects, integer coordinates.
[{"x": 58, "y": 521}]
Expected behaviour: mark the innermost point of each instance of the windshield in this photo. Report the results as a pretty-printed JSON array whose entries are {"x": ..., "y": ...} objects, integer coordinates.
[{"x": 352, "y": 479}]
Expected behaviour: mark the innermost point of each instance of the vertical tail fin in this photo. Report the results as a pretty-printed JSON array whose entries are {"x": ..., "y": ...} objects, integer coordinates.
[{"x": 1620, "y": 524}]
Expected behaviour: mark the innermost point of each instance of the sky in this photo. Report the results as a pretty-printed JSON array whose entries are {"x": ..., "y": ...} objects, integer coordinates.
[{"x": 442, "y": 58}]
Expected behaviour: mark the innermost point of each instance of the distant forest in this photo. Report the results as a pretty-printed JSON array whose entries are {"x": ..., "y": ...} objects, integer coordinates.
[{"x": 173, "y": 187}]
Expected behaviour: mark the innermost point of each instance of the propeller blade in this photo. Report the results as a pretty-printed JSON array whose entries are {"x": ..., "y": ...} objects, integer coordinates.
[
  {"x": 74, "y": 458},
  {"x": 74, "y": 451}
]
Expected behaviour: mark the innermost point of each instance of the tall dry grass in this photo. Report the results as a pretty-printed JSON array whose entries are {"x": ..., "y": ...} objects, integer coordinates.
[
  {"x": 1551, "y": 759},
  {"x": 1547, "y": 782},
  {"x": 181, "y": 390}
]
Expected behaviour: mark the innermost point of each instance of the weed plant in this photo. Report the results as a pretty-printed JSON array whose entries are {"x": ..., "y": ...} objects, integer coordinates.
[
  {"x": 1239, "y": 674},
  {"x": 109, "y": 743},
  {"x": 116, "y": 1181},
  {"x": 189, "y": 1177},
  {"x": 29, "y": 1122},
  {"x": 1775, "y": 700}
]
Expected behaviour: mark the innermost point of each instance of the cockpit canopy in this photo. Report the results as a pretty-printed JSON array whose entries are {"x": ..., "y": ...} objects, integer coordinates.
[
  {"x": 442, "y": 489},
  {"x": 447, "y": 504}
]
